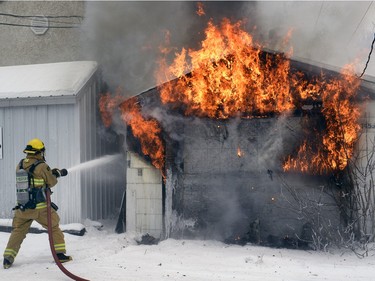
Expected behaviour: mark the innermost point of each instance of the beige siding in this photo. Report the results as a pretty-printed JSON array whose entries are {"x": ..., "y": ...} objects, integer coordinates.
[{"x": 144, "y": 212}]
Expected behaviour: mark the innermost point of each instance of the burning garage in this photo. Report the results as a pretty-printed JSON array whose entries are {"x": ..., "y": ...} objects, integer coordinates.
[{"x": 241, "y": 144}]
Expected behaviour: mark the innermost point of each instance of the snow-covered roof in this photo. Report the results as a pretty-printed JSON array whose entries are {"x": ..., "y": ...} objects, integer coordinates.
[{"x": 45, "y": 80}]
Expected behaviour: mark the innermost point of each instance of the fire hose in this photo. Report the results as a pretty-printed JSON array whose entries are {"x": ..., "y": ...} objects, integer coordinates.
[{"x": 51, "y": 243}]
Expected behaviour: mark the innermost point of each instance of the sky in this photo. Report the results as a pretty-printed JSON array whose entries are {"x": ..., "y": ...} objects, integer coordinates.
[
  {"x": 125, "y": 36},
  {"x": 104, "y": 255}
]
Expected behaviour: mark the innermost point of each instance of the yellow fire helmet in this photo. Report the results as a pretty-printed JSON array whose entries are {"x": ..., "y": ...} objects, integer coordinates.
[{"x": 34, "y": 146}]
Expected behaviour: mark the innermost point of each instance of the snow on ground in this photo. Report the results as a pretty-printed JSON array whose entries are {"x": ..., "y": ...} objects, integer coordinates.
[{"x": 104, "y": 255}]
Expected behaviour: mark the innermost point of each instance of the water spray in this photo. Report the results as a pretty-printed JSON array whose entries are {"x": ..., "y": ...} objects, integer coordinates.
[{"x": 94, "y": 163}]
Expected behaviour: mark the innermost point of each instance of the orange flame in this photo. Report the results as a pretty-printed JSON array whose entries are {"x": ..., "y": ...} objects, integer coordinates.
[
  {"x": 335, "y": 145},
  {"x": 147, "y": 131},
  {"x": 107, "y": 105},
  {"x": 230, "y": 75}
]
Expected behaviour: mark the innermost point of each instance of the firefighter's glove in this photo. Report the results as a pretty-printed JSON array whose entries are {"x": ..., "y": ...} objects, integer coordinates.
[
  {"x": 56, "y": 172},
  {"x": 59, "y": 173}
]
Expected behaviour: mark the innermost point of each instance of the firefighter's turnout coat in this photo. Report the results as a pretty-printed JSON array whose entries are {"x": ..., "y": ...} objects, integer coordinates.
[{"x": 22, "y": 219}]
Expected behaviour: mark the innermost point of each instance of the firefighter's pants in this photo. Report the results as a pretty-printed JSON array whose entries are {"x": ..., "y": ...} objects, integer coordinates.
[{"x": 20, "y": 227}]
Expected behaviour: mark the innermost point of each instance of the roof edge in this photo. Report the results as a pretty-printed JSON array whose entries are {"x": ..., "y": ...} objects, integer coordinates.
[{"x": 33, "y": 101}]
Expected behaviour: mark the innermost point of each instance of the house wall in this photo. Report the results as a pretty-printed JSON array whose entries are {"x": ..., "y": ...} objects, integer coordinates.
[
  {"x": 19, "y": 45},
  {"x": 219, "y": 194}
]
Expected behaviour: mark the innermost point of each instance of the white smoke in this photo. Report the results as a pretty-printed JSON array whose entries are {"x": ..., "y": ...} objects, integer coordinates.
[
  {"x": 125, "y": 36},
  {"x": 331, "y": 32}
]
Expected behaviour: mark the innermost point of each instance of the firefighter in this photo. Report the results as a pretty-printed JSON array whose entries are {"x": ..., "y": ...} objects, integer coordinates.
[{"x": 35, "y": 209}]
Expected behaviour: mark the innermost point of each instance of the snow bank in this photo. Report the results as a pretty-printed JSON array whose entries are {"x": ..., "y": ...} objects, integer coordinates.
[
  {"x": 103, "y": 255},
  {"x": 72, "y": 228}
]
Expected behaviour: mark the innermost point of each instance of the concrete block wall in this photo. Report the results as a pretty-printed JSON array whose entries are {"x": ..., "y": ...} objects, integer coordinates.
[{"x": 225, "y": 192}]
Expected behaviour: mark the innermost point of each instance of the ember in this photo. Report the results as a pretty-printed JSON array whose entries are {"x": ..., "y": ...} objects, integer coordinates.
[
  {"x": 200, "y": 9},
  {"x": 239, "y": 152}
]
